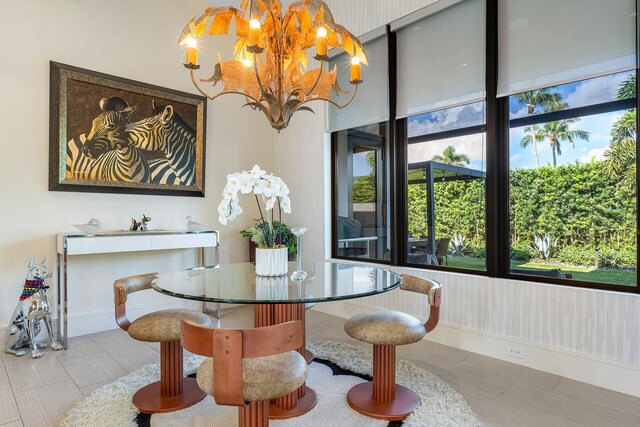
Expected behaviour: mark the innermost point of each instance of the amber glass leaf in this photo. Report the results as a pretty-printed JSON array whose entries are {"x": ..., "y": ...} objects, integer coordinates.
[
  {"x": 200, "y": 25},
  {"x": 242, "y": 26},
  {"x": 220, "y": 22},
  {"x": 332, "y": 38},
  {"x": 236, "y": 77},
  {"x": 186, "y": 32},
  {"x": 304, "y": 20}
]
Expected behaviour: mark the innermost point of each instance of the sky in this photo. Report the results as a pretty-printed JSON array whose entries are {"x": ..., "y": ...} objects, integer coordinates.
[{"x": 576, "y": 94}]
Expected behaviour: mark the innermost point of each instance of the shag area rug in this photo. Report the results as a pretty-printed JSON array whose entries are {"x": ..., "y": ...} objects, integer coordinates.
[{"x": 337, "y": 368}]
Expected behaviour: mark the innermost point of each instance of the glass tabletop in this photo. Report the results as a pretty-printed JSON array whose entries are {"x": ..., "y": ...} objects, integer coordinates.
[{"x": 238, "y": 283}]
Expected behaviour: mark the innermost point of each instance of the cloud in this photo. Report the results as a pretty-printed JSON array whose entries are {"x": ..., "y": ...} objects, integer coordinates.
[
  {"x": 451, "y": 118},
  {"x": 593, "y": 154},
  {"x": 515, "y": 158},
  {"x": 523, "y": 112},
  {"x": 595, "y": 91}
]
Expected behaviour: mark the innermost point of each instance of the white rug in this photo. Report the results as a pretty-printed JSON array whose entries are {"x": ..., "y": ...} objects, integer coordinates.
[{"x": 111, "y": 405}]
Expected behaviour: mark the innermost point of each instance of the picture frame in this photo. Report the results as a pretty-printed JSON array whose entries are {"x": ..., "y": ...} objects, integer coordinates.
[{"x": 109, "y": 134}]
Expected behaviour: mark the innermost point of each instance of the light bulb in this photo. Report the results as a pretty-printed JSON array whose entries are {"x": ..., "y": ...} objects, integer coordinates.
[
  {"x": 355, "y": 60},
  {"x": 246, "y": 62},
  {"x": 254, "y": 23},
  {"x": 322, "y": 32},
  {"x": 191, "y": 42}
]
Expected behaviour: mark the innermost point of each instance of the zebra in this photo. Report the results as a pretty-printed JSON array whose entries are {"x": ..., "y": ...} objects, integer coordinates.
[
  {"x": 104, "y": 155},
  {"x": 120, "y": 163},
  {"x": 165, "y": 131},
  {"x": 101, "y": 154}
]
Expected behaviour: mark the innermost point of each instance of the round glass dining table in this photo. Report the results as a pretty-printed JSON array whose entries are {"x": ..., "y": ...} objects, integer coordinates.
[{"x": 279, "y": 300}]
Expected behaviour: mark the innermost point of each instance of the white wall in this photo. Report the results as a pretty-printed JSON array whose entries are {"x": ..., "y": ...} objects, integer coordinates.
[
  {"x": 591, "y": 324},
  {"x": 132, "y": 39}
]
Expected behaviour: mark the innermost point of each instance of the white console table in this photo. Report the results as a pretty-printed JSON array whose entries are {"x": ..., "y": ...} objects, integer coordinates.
[{"x": 122, "y": 241}]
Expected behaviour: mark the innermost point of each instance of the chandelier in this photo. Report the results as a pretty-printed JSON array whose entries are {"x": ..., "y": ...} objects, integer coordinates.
[{"x": 270, "y": 66}]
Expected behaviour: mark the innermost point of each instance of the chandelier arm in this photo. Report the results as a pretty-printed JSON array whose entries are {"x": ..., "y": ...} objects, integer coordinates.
[
  {"x": 331, "y": 101},
  {"x": 317, "y": 80},
  {"x": 212, "y": 97},
  {"x": 255, "y": 68}
]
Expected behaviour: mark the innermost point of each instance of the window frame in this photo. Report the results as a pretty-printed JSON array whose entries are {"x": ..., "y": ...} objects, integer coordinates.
[{"x": 497, "y": 197}]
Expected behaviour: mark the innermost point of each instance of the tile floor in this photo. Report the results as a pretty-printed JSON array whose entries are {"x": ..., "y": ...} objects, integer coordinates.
[{"x": 501, "y": 393}]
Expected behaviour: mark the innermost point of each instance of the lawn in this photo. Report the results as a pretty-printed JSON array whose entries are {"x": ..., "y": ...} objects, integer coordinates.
[{"x": 617, "y": 277}]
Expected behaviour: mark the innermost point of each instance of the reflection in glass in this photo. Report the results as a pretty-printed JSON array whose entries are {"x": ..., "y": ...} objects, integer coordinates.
[
  {"x": 362, "y": 193},
  {"x": 446, "y": 189}
]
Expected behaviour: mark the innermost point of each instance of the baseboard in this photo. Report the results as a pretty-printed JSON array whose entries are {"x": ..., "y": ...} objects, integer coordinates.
[{"x": 601, "y": 372}]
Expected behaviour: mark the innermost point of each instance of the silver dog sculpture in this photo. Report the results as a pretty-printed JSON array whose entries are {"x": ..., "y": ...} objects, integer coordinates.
[{"x": 31, "y": 310}]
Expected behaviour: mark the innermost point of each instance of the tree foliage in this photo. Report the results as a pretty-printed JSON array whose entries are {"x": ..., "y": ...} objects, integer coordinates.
[
  {"x": 576, "y": 204},
  {"x": 449, "y": 156},
  {"x": 620, "y": 157}
]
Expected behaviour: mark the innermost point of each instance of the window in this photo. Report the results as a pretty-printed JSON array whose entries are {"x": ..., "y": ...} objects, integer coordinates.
[
  {"x": 492, "y": 160},
  {"x": 362, "y": 221},
  {"x": 446, "y": 174},
  {"x": 573, "y": 181}
]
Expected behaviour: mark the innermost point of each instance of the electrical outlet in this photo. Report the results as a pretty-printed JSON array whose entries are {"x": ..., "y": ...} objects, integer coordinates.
[{"x": 514, "y": 351}]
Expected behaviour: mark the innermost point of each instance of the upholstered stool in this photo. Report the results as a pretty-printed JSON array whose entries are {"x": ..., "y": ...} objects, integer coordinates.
[
  {"x": 173, "y": 391},
  {"x": 383, "y": 398},
  {"x": 248, "y": 367}
]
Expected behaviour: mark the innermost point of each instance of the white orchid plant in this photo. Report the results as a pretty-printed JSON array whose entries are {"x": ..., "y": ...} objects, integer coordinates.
[{"x": 271, "y": 189}]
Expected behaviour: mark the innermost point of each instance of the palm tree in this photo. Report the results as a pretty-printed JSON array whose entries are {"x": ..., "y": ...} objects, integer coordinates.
[
  {"x": 620, "y": 156},
  {"x": 532, "y": 100},
  {"x": 559, "y": 131},
  {"x": 450, "y": 157}
]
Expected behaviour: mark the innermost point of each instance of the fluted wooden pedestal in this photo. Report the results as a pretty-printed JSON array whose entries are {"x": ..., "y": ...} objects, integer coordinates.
[
  {"x": 304, "y": 399},
  {"x": 173, "y": 391},
  {"x": 382, "y": 398},
  {"x": 256, "y": 414}
]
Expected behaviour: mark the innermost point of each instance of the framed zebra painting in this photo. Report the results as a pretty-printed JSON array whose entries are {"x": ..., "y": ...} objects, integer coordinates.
[{"x": 110, "y": 134}]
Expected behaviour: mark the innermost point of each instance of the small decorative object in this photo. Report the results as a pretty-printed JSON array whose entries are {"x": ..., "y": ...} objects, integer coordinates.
[
  {"x": 299, "y": 275},
  {"x": 139, "y": 225},
  {"x": 193, "y": 225},
  {"x": 31, "y": 310},
  {"x": 271, "y": 254},
  {"x": 285, "y": 235},
  {"x": 270, "y": 66},
  {"x": 93, "y": 119},
  {"x": 91, "y": 227}
]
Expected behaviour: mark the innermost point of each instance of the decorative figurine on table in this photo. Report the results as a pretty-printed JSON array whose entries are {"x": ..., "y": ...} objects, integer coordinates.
[
  {"x": 139, "y": 225},
  {"x": 193, "y": 225},
  {"x": 91, "y": 227},
  {"x": 32, "y": 309}
]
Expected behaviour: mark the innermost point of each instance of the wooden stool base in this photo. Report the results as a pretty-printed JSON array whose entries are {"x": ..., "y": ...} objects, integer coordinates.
[
  {"x": 360, "y": 398},
  {"x": 308, "y": 356},
  {"x": 150, "y": 401},
  {"x": 304, "y": 405},
  {"x": 256, "y": 414}
]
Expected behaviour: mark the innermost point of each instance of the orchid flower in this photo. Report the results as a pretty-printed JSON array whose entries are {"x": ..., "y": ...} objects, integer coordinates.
[{"x": 271, "y": 189}]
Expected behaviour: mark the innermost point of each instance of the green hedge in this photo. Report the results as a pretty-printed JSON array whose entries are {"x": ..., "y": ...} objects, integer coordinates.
[
  {"x": 578, "y": 204},
  {"x": 612, "y": 258}
]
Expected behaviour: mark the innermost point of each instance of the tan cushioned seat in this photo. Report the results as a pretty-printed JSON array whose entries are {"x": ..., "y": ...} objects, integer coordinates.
[
  {"x": 164, "y": 325},
  {"x": 263, "y": 377},
  {"x": 385, "y": 328}
]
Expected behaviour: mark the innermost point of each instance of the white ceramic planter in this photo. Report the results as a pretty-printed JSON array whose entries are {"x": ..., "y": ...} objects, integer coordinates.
[{"x": 272, "y": 262}]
